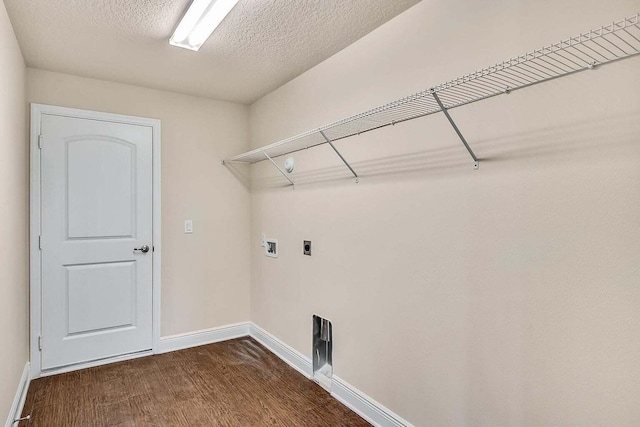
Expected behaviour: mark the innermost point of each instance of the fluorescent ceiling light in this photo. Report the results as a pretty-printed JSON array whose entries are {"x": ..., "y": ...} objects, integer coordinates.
[{"x": 201, "y": 19}]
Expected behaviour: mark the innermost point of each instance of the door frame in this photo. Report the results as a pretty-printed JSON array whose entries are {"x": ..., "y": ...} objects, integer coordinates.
[{"x": 35, "y": 268}]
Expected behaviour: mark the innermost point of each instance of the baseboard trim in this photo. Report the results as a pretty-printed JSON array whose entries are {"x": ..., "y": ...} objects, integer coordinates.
[
  {"x": 203, "y": 337},
  {"x": 21, "y": 395},
  {"x": 365, "y": 406},
  {"x": 354, "y": 399},
  {"x": 292, "y": 357},
  {"x": 166, "y": 344}
]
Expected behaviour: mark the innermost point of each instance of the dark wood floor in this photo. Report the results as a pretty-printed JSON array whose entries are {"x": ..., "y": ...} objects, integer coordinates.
[{"x": 234, "y": 383}]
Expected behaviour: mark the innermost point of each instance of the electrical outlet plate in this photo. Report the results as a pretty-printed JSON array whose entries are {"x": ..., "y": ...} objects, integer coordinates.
[{"x": 271, "y": 247}]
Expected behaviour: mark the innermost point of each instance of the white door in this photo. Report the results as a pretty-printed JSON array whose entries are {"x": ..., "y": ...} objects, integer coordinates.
[{"x": 96, "y": 180}]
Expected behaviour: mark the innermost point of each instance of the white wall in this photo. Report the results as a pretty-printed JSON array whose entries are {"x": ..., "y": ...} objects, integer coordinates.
[
  {"x": 205, "y": 275},
  {"x": 14, "y": 217},
  {"x": 503, "y": 296}
]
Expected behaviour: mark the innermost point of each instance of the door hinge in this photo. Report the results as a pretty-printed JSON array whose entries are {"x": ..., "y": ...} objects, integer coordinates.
[
  {"x": 40, "y": 143},
  {"x": 40, "y": 242},
  {"x": 40, "y": 343}
]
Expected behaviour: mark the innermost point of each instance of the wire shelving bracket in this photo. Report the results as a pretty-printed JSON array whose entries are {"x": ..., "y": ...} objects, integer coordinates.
[
  {"x": 586, "y": 51},
  {"x": 339, "y": 155},
  {"x": 476, "y": 162}
]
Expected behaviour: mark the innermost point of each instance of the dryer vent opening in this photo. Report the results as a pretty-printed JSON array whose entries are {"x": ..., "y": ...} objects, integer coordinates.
[{"x": 322, "y": 347}]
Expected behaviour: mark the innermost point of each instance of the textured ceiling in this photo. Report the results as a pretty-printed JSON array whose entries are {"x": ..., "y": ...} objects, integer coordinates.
[{"x": 261, "y": 44}]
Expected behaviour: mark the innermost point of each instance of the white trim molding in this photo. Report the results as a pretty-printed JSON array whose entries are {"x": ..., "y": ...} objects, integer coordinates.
[
  {"x": 292, "y": 357},
  {"x": 205, "y": 336},
  {"x": 363, "y": 405},
  {"x": 354, "y": 399},
  {"x": 20, "y": 396},
  {"x": 35, "y": 304}
]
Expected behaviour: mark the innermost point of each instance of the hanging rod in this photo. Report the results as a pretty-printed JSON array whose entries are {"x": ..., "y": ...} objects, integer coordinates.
[{"x": 609, "y": 43}]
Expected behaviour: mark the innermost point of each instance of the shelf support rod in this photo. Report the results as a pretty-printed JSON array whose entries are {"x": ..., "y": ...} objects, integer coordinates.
[
  {"x": 476, "y": 162},
  {"x": 340, "y": 155},
  {"x": 278, "y": 167}
]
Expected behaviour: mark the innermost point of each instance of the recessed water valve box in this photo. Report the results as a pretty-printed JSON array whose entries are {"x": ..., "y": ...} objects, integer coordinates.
[
  {"x": 271, "y": 247},
  {"x": 306, "y": 247}
]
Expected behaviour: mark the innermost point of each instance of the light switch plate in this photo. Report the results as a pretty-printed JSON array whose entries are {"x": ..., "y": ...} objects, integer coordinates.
[{"x": 188, "y": 226}]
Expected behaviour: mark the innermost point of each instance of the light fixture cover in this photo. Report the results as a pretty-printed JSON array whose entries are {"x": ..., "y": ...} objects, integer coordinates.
[
  {"x": 289, "y": 164},
  {"x": 201, "y": 19}
]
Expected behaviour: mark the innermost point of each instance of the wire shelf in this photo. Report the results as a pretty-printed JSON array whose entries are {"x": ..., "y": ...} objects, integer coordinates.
[{"x": 606, "y": 44}]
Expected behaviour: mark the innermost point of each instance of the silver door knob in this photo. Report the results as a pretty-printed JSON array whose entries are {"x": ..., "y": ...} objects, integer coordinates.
[{"x": 144, "y": 249}]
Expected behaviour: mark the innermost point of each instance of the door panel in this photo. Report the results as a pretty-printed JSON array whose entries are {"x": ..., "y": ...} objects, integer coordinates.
[
  {"x": 100, "y": 297},
  {"x": 101, "y": 187},
  {"x": 96, "y": 208}
]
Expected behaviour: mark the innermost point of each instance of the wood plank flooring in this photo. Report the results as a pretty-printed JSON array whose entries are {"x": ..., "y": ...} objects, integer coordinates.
[{"x": 233, "y": 383}]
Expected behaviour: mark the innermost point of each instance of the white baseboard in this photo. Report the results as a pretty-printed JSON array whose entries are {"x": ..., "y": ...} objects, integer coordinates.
[
  {"x": 292, "y": 357},
  {"x": 169, "y": 343},
  {"x": 205, "y": 336},
  {"x": 365, "y": 406},
  {"x": 21, "y": 395},
  {"x": 351, "y": 397},
  {"x": 354, "y": 399}
]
